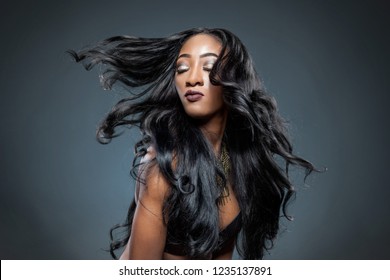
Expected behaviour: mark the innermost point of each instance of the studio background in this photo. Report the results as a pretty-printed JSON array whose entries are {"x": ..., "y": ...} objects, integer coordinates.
[{"x": 326, "y": 63}]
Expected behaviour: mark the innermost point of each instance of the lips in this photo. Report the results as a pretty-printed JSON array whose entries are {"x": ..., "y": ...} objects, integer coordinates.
[{"x": 193, "y": 95}]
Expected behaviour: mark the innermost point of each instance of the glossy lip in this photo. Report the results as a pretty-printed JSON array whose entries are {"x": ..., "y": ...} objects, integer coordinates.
[
  {"x": 193, "y": 92},
  {"x": 193, "y": 96}
]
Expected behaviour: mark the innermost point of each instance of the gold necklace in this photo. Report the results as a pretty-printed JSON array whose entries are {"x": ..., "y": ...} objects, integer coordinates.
[{"x": 224, "y": 161}]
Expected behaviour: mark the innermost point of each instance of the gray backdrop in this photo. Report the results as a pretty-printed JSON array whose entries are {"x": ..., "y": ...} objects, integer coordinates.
[{"x": 326, "y": 62}]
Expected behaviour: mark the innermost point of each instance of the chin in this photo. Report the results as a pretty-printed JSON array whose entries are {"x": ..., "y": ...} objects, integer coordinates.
[
  {"x": 201, "y": 118},
  {"x": 197, "y": 116}
]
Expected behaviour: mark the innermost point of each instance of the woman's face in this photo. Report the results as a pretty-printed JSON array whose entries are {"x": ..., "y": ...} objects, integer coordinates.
[{"x": 201, "y": 99}]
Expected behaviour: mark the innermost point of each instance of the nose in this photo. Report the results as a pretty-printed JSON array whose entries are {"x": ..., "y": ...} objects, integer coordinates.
[{"x": 195, "y": 78}]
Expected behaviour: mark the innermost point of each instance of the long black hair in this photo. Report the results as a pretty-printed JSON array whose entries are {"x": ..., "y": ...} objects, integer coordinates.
[{"x": 255, "y": 136}]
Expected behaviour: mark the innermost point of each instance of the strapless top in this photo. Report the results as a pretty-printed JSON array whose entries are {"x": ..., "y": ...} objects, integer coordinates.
[{"x": 226, "y": 238}]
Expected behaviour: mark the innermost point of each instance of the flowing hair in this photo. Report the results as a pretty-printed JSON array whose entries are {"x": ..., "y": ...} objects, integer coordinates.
[{"x": 255, "y": 137}]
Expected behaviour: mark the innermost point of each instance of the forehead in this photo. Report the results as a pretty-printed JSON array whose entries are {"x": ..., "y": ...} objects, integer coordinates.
[{"x": 201, "y": 43}]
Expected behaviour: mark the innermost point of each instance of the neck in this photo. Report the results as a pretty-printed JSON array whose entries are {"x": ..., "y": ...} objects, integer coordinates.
[{"x": 214, "y": 129}]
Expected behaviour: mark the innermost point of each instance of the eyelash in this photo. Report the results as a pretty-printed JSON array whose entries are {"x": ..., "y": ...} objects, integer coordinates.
[
  {"x": 208, "y": 69},
  {"x": 179, "y": 71}
]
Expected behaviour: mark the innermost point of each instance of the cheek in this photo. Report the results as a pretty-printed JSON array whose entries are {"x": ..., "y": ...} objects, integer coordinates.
[
  {"x": 177, "y": 84},
  {"x": 217, "y": 94}
]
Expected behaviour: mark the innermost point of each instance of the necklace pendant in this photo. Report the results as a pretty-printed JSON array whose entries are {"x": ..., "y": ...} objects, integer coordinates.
[
  {"x": 224, "y": 197},
  {"x": 224, "y": 161}
]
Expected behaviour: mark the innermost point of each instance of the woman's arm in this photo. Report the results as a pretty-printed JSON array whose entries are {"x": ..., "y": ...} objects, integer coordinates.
[{"x": 148, "y": 233}]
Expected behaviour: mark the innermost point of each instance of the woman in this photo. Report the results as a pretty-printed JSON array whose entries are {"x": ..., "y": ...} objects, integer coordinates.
[{"x": 207, "y": 166}]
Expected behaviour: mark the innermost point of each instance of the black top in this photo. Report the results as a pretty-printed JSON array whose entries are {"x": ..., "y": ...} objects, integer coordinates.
[{"x": 226, "y": 238}]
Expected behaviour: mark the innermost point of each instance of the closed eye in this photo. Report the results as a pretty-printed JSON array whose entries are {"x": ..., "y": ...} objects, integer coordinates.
[
  {"x": 208, "y": 67},
  {"x": 181, "y": 68}
]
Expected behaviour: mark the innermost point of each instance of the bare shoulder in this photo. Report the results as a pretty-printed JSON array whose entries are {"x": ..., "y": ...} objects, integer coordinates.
[
  {"x": 148, "y": 232},
  {"x": 150, "y": 155},
  {"x": 152, "y": 186}
]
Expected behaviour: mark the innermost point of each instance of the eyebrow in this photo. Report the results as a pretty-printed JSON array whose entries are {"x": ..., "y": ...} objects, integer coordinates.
[{"x": 202, "y": 55}]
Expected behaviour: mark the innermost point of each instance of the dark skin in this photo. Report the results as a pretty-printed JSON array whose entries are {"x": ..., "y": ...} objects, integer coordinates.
[{"x": 148, "y": 234}]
